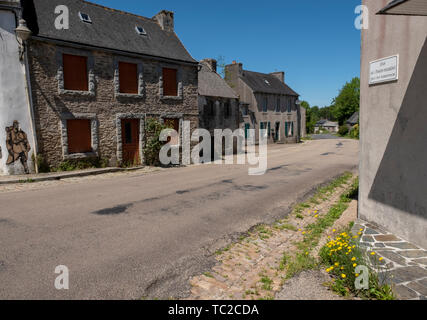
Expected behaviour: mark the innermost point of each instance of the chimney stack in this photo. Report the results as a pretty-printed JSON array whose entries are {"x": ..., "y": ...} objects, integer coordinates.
[
  {"x": 211, "y": 63},
  {"x": 165, "y": 19},
  {"x": 280, "y": 75},
  {"x": 232, "y": 73}
]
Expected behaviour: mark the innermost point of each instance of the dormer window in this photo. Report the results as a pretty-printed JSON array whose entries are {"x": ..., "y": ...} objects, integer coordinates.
[
  {"x": 140, "y": 30},
  {"x": 266, "y": 81},
  {"x": 85, "y": 17}
]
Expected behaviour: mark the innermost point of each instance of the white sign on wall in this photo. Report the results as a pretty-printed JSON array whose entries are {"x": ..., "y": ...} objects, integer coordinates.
[{"x": 384, "y": 70}]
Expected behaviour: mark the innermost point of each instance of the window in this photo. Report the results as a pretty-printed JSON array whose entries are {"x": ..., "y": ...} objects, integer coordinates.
[
  {"x": 85, "y": 17},
  {"x": 289, "y": 129},
  {"x": 79, "y": 136},
  {"x": 289, "y": 105},
  {"x": 265, "y": 106},
  {"x": 247, "y": 127},
  {"x": 128, "y": 77},
  {"x": 75, "y": 72},
  {"x": 245, "y": 110},
  {"x": 170, "y": 85},
  {"x": 278, "y": 108},
  {"x": 140, "y": 30},
  {"x": 227, "y": 110}
]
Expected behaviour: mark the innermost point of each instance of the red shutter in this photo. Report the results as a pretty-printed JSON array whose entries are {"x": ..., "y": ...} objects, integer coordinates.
[
  {"x": 170, "y": 85},
  {"x": 128, "y": 78},
  {"x": 79, "y": 136},
  {"x": 75, "y": 73}
]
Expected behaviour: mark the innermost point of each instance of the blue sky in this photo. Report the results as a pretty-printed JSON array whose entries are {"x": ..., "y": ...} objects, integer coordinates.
[{"x": 314, "y": 42}]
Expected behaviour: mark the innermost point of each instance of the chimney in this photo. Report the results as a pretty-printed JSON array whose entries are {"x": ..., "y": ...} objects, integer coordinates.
[
  {"x": 232, "y": 73},
  {"x": 280, "y": 75},
  {"x": 211, "y": 63},
  {"x": 165, "y": 20}
]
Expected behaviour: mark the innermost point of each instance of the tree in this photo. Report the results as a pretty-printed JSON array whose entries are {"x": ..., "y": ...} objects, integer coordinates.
[{"x": 348, "y": 101}]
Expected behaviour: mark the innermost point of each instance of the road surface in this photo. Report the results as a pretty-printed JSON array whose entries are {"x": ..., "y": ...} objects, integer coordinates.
[{"x": 145, "y": 235}]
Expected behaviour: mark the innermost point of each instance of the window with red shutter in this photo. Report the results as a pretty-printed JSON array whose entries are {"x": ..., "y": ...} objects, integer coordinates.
[
  {"x": 128, "y": 74},
  {"x": 79, "y": 136},
  {"x": 75, "y": 73},
  {"x": 170, "y": 85}
]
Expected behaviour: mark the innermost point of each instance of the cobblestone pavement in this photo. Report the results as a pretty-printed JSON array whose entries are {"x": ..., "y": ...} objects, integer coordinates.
[
  {"x": 251, "y": 269},
  {"x": 406, "y": 263},
  {"x": 28, "y": 185}
]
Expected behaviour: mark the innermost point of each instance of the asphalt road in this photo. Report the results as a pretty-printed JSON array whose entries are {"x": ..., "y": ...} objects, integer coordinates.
[{"x": 145, "y": 235}]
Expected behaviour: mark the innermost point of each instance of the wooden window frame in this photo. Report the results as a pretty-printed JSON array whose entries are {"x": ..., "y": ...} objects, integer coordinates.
[
  {"x": 180, "y": 91},
  {"x": 94, "y": 135},
  {"x": 83, "y": 82},
  {"x": 60, "y": 51},
  {"x": 140, "y": 74}
]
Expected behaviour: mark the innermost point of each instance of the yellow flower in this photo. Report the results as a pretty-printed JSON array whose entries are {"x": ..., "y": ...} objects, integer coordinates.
[
  {"x": 316, "y": 215},
  {"x": 343, "y": 276},
  {"x": 359, "y": 233},
  {"x": 304, "y": 232},
  {"x": 353, "y": 259},
  {"x": 361, "y": 229},
  {"x": 337, "y": 264},
  {"x": 306, "y": 253},
  {"x": 354, "y": 265},
  {"x": 381, "y": 259},
  {"x": 356, "y": 275},
  {"x": 342, "y": 268},
  {"x": 372, "y": 253},
  {"x": 334, "y": 230}
]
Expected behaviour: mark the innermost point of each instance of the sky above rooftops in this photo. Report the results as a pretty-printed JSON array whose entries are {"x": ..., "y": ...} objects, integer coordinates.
[{"x": 314, "y": 42}]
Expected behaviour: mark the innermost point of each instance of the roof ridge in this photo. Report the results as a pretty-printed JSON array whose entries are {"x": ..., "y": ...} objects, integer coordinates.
[{"x": 116, "y": 10}]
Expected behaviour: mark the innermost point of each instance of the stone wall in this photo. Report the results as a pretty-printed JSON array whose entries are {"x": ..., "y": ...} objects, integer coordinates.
[{"x": 52, "y": 104}]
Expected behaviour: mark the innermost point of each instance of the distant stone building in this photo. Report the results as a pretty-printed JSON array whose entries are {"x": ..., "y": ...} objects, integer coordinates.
[
  {"x": 326, "y": 125},
  {"x": 94, "y": 86},
  {"x": 353, "y": 120},
  {"x": 266, "y": 103},
  {"x": 218, "y": 103}
]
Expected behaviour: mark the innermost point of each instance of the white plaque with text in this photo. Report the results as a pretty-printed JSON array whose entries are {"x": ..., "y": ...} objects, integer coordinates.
[{"x": 384, "y": 70}]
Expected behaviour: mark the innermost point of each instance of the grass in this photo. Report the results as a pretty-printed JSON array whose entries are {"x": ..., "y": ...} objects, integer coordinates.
[
  {"x": 266, "y": 283},
  {"x": 27, "y": 181},
  {"x": 302, "y": 260}
]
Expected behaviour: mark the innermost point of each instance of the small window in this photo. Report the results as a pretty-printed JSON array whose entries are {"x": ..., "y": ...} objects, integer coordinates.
[
  {"x": 79, "y": 136},
  {"x": 85, "y": 17},
  {"x": 170, "y": 85},
  {"x": 140, "y": 30},
  {"x": 227, "y": 110},
  {"x": 128, "y": 78},
  {"x": 267, "y": 82},
  {"x": 289, "y": 105},
  {"x": 278, "y": 108},
  {"x": 75, "y": 73},
  {"x": 245, "y": 111},
  {"x": 265, "y": 106}
]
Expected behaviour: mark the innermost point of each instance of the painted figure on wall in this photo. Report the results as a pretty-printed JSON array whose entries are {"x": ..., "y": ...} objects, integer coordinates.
[{"x": 17, "y": 145}]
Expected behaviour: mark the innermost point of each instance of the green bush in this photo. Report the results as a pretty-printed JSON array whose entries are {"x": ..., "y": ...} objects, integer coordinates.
[
  {"x": 72, "y": 165},
  {"x": 354, "y": 133},
  {"x": 343, "y": 131},
  {"x": 154, "y": 145}
]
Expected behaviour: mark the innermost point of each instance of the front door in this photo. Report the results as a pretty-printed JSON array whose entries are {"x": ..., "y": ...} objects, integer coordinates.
[
  {"x": 277, "y": 132},
  {"x": 130, "y": 141}
]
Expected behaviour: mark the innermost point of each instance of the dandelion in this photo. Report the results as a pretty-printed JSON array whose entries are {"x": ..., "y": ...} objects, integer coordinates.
[
  {"x": 381, "y": 259},
  {"x": 353, "y": 259},
  {"x": 354, "y": 265},
  {"x": 306, "y": 253},
  {"x": 334, "y": 230},
  {"x": 316, "y": 216},
  {"x": 356, "y": 275},
  {"x": 343, "y": 276},
  {"x": 372, "y": 253},
  {"x": 361, "y": 229}
]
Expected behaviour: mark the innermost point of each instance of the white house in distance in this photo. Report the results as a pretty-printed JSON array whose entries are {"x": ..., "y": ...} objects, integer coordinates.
[{"x": 327, "y": 125}]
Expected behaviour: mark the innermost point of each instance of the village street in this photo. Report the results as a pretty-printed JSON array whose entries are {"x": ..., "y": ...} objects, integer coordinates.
[{"x": 139, "y": 235}]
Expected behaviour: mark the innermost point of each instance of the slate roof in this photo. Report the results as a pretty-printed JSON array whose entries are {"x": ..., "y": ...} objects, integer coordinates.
[
  {"x": 326, "y": 123},
  {"x": 354, "y": 119},
  {"x": 266, "y": 83},
  {"x": 406, "y": 7},
  {"x": 212, "y": 85},
  {"x": 110, "y": 29}
]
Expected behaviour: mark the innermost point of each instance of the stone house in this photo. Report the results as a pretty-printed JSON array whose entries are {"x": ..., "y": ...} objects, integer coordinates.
[
  {"x": 393, "y": 113},
  {"x": 94, "y": 85},
  {"x": 218, "y": 103},
  {"x": 330, "y": 126},
  {"x": 267, "y": 103}
]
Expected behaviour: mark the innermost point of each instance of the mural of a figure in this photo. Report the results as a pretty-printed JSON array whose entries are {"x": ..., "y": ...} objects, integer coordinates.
[{"x": 17, "y": 145}]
